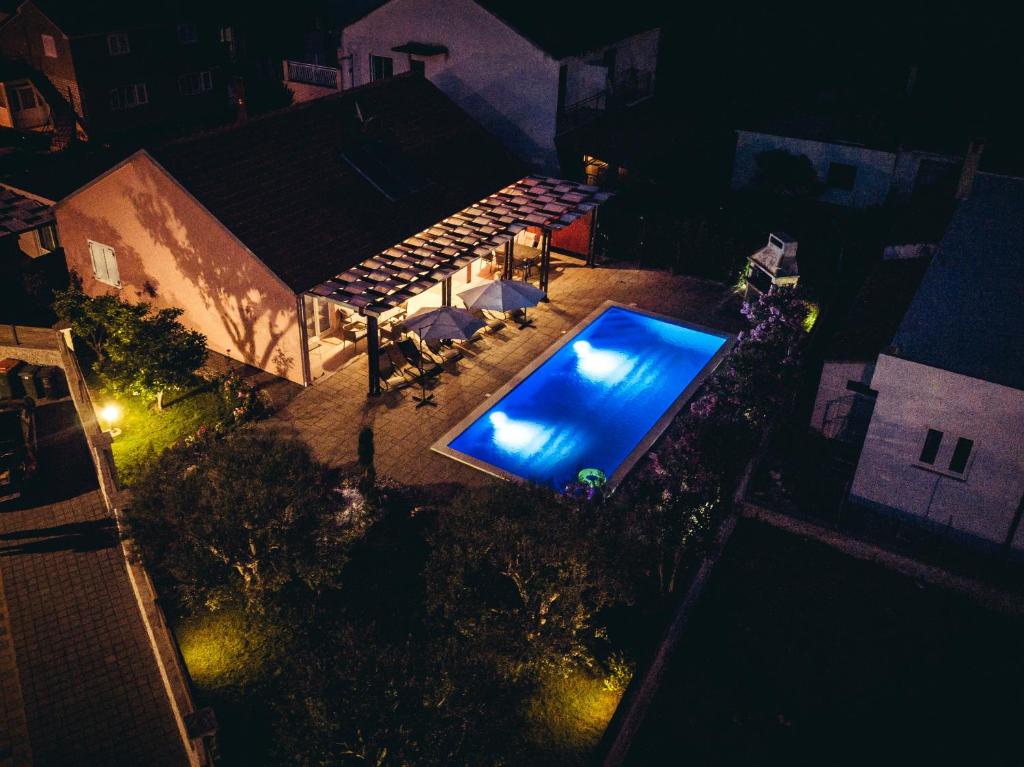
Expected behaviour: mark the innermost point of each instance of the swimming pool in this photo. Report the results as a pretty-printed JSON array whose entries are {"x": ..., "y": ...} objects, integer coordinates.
[{"x": 598, "y": 398}]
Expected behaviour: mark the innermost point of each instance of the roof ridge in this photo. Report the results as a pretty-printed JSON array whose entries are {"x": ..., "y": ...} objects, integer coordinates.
[{"x": 290, "y": 109}]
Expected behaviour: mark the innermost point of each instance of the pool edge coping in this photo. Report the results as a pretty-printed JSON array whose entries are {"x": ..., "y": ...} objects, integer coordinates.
[{"x": 441, "y": 444}]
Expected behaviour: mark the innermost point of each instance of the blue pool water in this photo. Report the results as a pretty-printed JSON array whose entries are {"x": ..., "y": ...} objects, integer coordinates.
[{"x": 593, "y": 401}]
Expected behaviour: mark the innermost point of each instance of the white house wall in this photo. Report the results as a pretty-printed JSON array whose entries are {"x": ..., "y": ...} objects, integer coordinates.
[
  {"x": 832, "y": 391},
  {"x": 505, "y": 82},
  {"x": 875, "y": 168},
  {"x": 913, "y": 398},
  {"x": 636, "y": 61}
]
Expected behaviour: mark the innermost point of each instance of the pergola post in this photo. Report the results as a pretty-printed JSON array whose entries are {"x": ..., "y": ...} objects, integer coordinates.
[
  {"x": 446, "y": 292},
  {"x": 545, "y": 258},
  {"x": 506, "y": 269},
  {"x": 373, "y": 354},
  {"x": 591, "y": 255}
]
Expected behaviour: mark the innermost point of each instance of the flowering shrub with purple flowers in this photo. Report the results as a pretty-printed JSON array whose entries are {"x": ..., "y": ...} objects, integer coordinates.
[{"x": 675, "y": 490}]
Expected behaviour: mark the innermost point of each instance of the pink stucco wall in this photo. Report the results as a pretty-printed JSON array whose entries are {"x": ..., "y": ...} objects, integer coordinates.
[{"x": 171, "y": 252}]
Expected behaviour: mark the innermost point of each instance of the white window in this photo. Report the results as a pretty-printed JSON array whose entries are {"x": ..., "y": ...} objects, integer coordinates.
[
  {"x": 117, "y": 44},
  {"x": 104, "y": 264},
  {"x": 195, "y": 82},
  {"x": 49, "y": 47},
  {"x": 128, "y": 96},
  {"x": 187, "y": 34}
]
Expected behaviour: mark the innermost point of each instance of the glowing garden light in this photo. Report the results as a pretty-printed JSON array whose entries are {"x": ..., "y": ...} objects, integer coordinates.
[{"x": 110, "y": 414}]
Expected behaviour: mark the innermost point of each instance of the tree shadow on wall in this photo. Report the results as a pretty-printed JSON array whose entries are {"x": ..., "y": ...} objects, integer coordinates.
[{"x": 233, "y": 291}]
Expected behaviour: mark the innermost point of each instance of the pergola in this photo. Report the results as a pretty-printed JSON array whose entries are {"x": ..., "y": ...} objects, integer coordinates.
[{"x": 388, "y": 280}]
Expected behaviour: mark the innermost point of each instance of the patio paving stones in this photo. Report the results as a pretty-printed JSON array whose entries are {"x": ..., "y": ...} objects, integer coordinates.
[{"x": 329, "y": 414}]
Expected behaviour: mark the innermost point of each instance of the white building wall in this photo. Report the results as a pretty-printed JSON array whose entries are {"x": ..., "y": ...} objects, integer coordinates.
[
  {"x": 913, "y": 398},
  {"x": 500, "y": 78},
  {"x": 875, "y": 168},
  {"x": 832, "y": 391}
]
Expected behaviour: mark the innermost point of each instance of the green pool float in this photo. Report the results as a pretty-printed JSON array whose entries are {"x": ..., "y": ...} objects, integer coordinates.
[{"x": 592, "y": 477}]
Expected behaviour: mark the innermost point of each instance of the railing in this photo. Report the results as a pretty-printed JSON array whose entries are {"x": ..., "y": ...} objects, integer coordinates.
[{"x": 312, "y": 74}]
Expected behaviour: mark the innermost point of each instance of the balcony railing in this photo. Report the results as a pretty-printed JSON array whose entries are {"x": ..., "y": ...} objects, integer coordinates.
[{"x": 313, "y": 74}]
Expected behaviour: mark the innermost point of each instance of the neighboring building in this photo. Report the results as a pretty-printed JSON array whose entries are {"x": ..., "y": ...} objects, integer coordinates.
[
  {"x": 524, "y": 71},
  {"x": 112, "y": 66},
  {"x": 31, "y": 220},
  {"x": 31, "y": 259},
  {"x": 235, "y": 225},
  {"x": 856, "y": 170},
  {"x": 945, "y": 443},
  {"x": 845, "y": 399}
]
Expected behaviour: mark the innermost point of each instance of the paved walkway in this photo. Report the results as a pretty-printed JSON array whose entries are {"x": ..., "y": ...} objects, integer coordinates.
[
  {"x": 330, "y": 414},
  {"x": 87, "y": 683}
]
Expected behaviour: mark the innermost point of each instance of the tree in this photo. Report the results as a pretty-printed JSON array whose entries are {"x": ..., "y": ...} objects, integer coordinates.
[
  {"x": 95, "y": 320},
  {"x": 789, "y": 175},
  {"x": 251, "y": 514},
  {"x": 151, "y": 355},
  {"x": 520, "y": 573}
]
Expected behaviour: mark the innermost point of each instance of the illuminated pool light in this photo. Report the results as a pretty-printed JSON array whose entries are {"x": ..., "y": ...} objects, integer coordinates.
[
  {"x": 601, "y": 365},
  {"x": 521, "y": 437}
]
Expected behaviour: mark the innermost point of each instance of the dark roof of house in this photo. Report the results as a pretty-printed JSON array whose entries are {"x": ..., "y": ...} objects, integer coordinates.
[
  {"x": 560, "y": 28},
  {"x": 877, "y": 310},
  {"x": 569, "y": 27},
  {"x": 77, "y": 18},
  {"x": 289, "y": 185},
  {"x": 968, "y": 316},
  {"x": 54, "y": 175}
]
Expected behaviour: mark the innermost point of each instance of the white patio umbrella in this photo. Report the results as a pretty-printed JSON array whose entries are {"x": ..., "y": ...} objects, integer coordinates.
[
  {"x": 439, "y": 323},
  {"x": 503, "y": 296}
]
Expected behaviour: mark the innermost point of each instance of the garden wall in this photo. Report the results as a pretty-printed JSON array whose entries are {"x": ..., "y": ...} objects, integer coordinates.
[{"x": 43, "y": 346}]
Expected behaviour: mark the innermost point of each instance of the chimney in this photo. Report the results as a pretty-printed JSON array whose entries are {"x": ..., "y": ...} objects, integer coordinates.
[{"x": 971, "y": 161}]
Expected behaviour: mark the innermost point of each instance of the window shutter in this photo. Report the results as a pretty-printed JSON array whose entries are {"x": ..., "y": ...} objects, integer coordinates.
[
  {"x": 98, "y": 262},
  {"x": 104, "y": 263},
  {"x": 111, "y": 266}
]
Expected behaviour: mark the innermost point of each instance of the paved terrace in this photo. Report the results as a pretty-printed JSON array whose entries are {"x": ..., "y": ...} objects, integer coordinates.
[
  {"x": 330, "y": 414},
  {"x": 79, "y": 683}
]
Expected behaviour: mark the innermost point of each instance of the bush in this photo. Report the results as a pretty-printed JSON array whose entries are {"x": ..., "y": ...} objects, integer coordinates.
[{"x": 250, "y": 517}]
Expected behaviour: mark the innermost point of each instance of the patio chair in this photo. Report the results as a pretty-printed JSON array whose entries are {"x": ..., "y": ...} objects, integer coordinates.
[
  {"x": 399, "y": 363},
  {"x": 387, "y": 372},
  {"x": 412, "y": 355}
]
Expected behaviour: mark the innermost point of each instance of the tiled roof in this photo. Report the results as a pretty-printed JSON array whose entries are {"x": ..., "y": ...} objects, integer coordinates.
[
  {"x": 877, "y": 310},
  {"x": 396, "y": 274},
  {"x": 282, "y": 184},
  {"x": 19, "y": 214},
  {"x": 570, "y": 27},
  {"x": 967, "y": 317}
]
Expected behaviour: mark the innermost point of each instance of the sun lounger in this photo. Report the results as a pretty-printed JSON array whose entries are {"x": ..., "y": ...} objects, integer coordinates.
[
  {"x": 442, "y": 354},
  {"x": 411, "y": 352},
  {"x": 492, "y": 324}
]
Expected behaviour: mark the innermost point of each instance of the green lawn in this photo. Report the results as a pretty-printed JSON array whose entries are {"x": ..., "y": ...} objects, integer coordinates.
[{"x": 145, "y": 433}]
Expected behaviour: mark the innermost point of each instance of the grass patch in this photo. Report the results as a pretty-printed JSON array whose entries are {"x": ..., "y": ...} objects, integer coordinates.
[
  {"x": 226, "y": 648},
  {"x": 569, "y": 712},
  {"x": 145, "y": 433}
]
